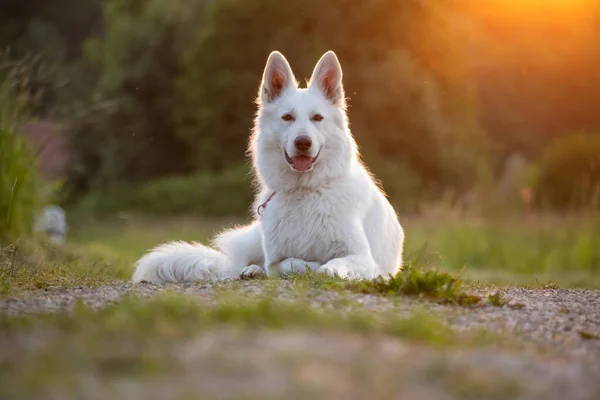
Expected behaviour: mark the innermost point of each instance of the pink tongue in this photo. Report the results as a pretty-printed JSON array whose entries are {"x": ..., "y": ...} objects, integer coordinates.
[{"x": 301, "y": 163}]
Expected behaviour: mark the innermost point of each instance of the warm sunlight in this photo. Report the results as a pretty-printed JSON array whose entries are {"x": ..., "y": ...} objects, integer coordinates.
[
  {"x": 570, "y": 24},
  {"x": 539, "y": 9},
  {"x": 182, "y": 217}
]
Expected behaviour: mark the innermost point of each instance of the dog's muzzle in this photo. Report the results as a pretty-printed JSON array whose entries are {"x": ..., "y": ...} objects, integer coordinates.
[{"x": 301, "y": 162}]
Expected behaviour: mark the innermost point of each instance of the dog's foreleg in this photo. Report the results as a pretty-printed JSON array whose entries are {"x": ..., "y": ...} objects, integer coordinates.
[
  {"x": 352, "y": 267},
  {"x": 296, "y": 265},
  {"x": 284, "y": 268},
  {"x": 253, "y": 272},
  {"x": 358, "y": 263}
]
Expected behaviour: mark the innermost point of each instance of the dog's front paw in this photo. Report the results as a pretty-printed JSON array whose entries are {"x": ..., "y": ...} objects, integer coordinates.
[
  {"x": 253, "y": 272},
  {"x": 296, "y": 265},
  {"x": 336, "y": 268}
]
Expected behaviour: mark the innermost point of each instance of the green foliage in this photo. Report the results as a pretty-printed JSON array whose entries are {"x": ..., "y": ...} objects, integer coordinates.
[
  {"x": 411, "y": 281},
  {"x": 18, "y": 176},
  {"x": 18, "y": 184},
  {"x": 131, "y": 112},
  {"x": 226, "y": 193},
  {"x": 497, "y": 299},
  {"x": 569, "y": 173},
  {"x": 157, "y": 88},
  {"x": 207, "y": 194},
  {"x": 54, "y": 33},
  {"x": 34, "y": 78},
  {"x": 542, "y": 246},
  {"x": 410, "y": 100},
  {"x": 56, "y": 28}
]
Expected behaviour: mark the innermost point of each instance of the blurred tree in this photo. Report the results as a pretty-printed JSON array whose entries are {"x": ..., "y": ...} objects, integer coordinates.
[
  {"x": 51, "y": 34},
  {"x": 162, "y": 89},
  {"x": 537, "y": 77},
  {"x": 57, "y": 27},
  {"x": 130, "y": 115},
  {"x": 411, "y": 101},
  {"x": 569, "y": 173}
]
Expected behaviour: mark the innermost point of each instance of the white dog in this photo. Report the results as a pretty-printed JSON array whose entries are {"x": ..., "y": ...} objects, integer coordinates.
[{"x": 317, "y": 208}]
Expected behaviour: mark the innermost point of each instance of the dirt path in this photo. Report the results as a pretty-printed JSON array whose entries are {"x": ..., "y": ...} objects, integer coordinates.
[
  {"x": 558, "y": 357},
  {"x": 567, "y": 318}
]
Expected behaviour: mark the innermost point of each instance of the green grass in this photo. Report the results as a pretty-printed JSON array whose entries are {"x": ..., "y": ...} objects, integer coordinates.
[
  {"x": 177, "y": 316},
  {"x": 485, "y": 253},
  {"x": 18, "y": 175},
  {"x": 141, "y": 340},
  {"x": 32, "y": 264},
  {"x": 497, "y": 299},
  {"x": 563, "y": 251},
  {"x": 410, "y": 281},
  {"x": 546, "y": 244},
  {"x": 131, "y": 236},
  {"x": 514, "y": 251}
]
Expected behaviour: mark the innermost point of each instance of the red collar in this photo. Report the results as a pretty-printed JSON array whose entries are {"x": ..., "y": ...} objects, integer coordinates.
[{"x": 264, "y": 205}]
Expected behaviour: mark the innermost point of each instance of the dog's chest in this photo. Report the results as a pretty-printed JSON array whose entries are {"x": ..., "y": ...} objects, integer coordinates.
[{"x": 304, "y": 226}]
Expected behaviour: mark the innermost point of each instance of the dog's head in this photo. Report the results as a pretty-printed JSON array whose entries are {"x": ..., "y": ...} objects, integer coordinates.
[{"x": 301, "y": 136}]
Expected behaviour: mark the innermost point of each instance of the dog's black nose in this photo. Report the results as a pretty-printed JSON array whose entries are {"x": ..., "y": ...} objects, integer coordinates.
[{"x": 303, "y": 143}]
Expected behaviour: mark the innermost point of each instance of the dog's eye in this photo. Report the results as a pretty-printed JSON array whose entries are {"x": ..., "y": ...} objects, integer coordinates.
[
  {"x": 287, "y": 117},
  {"x": 317, "y": 118}
]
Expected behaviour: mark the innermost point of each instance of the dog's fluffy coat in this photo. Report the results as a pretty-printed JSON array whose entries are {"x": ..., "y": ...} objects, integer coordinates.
[{"x": 322, "y": 209}]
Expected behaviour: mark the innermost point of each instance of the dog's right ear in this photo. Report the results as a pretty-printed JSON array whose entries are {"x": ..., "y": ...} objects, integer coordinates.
[{"x": 277, "y": 78}]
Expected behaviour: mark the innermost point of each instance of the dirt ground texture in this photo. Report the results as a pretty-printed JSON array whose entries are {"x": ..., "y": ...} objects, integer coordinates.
[{"x": 551, "y": 349}]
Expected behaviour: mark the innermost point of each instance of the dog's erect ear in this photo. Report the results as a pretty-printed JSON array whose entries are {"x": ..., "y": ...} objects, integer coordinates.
[
  {"x": 277, "y": 78},
  {"x": 327, "y": 77}
]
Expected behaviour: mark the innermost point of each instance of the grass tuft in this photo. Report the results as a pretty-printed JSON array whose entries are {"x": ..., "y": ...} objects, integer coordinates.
[
  {"x": 589, "y": 335},
  {"x": 429, "y": 284},
  {"x": 550, "y": 285},
  {"x": 497, "y": 299}
]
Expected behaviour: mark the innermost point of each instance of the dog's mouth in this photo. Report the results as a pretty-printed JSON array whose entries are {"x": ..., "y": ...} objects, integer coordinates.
[{"x": 302, "y": 162}]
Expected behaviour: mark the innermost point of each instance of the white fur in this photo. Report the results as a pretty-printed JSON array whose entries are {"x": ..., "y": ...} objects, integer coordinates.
[{"x": 332, "y": 218}]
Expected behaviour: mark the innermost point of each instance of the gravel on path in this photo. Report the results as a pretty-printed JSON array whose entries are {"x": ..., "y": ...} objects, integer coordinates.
[{"x": 274, "y": 364}]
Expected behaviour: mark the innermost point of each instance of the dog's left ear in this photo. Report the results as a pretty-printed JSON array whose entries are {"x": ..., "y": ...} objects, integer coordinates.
[{"x": 327, "y": 77}]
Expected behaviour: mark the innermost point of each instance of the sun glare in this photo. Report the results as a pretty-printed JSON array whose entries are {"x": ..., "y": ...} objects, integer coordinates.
[
  {"x": 559, "y": 18},
  {"x": 541, "y": 8}
]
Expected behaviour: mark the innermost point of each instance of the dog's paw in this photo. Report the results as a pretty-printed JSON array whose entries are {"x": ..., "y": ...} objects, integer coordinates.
[
  {"x": 253, "y": 272},
  {"x": 296, "y": 265},
  {"x": 336, "y": 268}
]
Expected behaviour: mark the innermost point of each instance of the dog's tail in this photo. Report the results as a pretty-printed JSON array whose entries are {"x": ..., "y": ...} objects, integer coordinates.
[
  {"x": 188, "y": 262},
  {"x": 181, "y": 262}
]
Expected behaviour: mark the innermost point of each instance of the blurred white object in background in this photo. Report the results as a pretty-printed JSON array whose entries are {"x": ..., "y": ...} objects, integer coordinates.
[{"x": 53, "y": 223}]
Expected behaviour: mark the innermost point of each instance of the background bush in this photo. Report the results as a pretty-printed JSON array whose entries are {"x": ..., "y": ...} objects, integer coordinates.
[
  {"x": 18, "y": 176},
  {"x": 569, "y": 173},
  {"x": 176, "y": 84},
  {"x": 130, "y": 112},
  {"x": 441, "y": 93},
  {"x": 205, "y": 194},
  {"x": 401, "y": 99}
]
